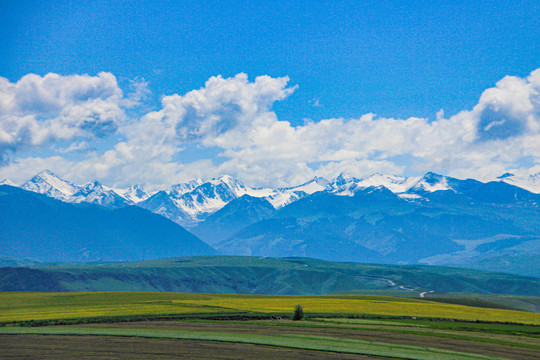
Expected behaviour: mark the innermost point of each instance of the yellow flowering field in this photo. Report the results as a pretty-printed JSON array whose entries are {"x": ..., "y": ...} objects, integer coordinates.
[{"x": 23, "y": 306}]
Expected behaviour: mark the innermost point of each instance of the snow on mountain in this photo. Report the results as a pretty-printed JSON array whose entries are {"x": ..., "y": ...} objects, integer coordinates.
[
  {"x": 527, "y": 182},
  {"x": 195, "y": 200},
  {"x": 279, "y": 199},
  {"x": 51, "y": 185},
  {"x": 7, "y": 182},
  {"x": 405, "y": 187},
  {"x": 312, "y": 186},
  {"x": 95, "y": 193},
  {"x": 431, "y": 182},
  {"x": 161, "y": 203},
  {"x": 396, "y": 184},
  {"x": 47, "y": 183},
  {"x": 134, "y": 193},
  {"x": 284, "y": 196},
  {"x": 182, "y": 188},
  {"x": 260, "y": 192},
  {"x": 207, "y": 197},
  {"x": 191, "y": 202},
  {"x": 346, "y": 185}
]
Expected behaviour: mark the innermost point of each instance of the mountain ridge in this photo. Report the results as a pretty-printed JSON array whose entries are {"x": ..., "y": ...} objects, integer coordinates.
[
  {"x": 192, "y": 202},
  {"x": 439, "y": 220}
]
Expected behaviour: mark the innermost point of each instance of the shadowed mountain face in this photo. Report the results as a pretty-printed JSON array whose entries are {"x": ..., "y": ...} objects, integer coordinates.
[
  {"x": 453, "y": 227},
  {"x": 35, "y": 226},
  {"x": 233, "y": 217}
]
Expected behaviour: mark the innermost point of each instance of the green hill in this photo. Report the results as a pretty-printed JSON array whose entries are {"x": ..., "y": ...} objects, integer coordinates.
[{"x": 255, "y": 275}]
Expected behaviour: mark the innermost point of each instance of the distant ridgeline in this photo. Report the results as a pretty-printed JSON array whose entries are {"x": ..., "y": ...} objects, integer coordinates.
[{"x": 433, "y": 219}]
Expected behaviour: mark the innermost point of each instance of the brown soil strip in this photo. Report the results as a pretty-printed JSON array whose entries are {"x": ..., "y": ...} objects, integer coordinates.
[
  {"x": 56, "y": 347},
  {"x": 497, "y": 350}
]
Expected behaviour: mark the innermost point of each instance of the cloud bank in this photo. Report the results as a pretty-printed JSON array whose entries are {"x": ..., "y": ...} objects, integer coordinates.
[
  {"x": 36, "y": 111},
  {"x": 233, "y": 119}
]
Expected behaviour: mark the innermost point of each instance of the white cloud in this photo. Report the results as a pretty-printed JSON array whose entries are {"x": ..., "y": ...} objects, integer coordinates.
[
  {"x": 235, "y": 115},
  {"x": 36, "y": 110}
]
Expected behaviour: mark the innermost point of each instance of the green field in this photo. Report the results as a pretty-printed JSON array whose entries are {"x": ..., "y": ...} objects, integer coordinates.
[
  {"x": 311, "y": 342},
  {"x": 205, "y": 339},
  {"x": 207, "y": 325}
]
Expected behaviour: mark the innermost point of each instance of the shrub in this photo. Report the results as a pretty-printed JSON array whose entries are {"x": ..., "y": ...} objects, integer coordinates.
[{"x": 298, "y": 313}]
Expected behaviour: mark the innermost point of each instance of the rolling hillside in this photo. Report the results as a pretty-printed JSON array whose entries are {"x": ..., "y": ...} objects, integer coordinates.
[{"x": 253, "y": 275}]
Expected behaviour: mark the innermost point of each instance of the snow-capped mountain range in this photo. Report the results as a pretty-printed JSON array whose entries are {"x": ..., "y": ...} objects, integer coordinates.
[
  {"x": 191, "y": 202},
  {"x": 94, "y": 192}
]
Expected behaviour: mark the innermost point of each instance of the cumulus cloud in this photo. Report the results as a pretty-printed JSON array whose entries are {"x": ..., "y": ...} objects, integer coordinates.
[
  {"x": 37, "y": 110},
  {"x": 235, "y": 116},
  {"x": 223, "y": 105},
  {"x": 510, "y": 109}
]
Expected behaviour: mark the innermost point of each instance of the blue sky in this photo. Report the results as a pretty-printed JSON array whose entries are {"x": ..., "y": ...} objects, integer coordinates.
[{"x": 340, "y": 60}]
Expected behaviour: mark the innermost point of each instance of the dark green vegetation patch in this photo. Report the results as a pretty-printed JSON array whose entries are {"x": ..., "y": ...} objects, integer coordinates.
[{"x": 290, "y": 276}]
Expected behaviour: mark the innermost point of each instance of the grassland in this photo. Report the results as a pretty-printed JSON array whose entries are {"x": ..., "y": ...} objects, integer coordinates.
[{"x": 264, "y": 276}]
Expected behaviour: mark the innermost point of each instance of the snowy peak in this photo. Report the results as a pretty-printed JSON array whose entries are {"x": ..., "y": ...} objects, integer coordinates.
[
  {"x": 394, "y": 183},
  {"x": 47, "y": 183},
  {"x": 284, "y": 196},
  {"x": 210, "y": 196},
  {"x": 191, "y": 202},
  {"x": 226, "y": 179},
  {"x": 134, "y": 193},
  {"x": 162, "y": 203},
  {"x": 432, "y": 178},
  {"x": 348, "y": 185},
  {"x": 527, "y": 182},
  {"x": 432, "y": 182},
  {"x": 7, "y": 182},
  {"x": 379, "y": 191},
  {"x": 92, "y": 186},
  {"x": 343, "y": 185},
  {"x": 194, "y": 201},
  {"x": 312, "y": 186},
  {"x": 94, "y": 192},
  {"x": 281, "y": 198},
  {"x": 182, "y": 188},
  {"x": 343, "y": 179},
  {"x": 235, "y": 186}
]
